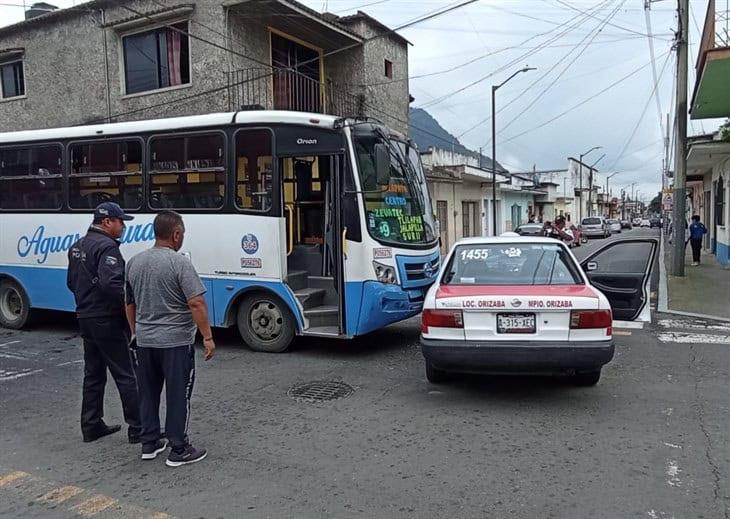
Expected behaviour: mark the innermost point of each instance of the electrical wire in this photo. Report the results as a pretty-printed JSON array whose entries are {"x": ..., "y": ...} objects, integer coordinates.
[
  {"x": 509, "y": 64},
  {"x": 647, "y": 18},
  {"x": 597, "y": 30},
  {"x": 581, "y": 103},
  {"x": 643, "y": 113}
]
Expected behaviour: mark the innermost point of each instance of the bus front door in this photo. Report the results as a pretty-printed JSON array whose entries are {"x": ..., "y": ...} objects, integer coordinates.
[{"x": 313, "y": 227}]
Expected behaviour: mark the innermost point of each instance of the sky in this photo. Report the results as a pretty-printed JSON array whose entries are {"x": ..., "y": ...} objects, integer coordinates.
[{"x": 593, "y": 84}]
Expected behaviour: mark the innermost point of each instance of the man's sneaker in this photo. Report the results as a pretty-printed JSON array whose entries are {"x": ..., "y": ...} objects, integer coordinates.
[
  {"x": 151, "y": 450},
  {"x": 189, "y": 455}
]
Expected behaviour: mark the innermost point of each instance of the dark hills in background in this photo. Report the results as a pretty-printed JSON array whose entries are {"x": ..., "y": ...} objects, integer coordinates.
[{"x": 427, "y": 132}]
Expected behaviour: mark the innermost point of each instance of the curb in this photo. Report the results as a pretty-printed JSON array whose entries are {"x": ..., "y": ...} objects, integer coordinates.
[{"x": 663, "y": 289}]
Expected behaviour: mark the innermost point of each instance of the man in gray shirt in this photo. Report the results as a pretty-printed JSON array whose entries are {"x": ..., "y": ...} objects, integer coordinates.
[{"x": 165, "y": 306}]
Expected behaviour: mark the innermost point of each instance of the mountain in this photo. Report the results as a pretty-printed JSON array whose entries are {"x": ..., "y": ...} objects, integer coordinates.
[{"x": 427, "y": 132}]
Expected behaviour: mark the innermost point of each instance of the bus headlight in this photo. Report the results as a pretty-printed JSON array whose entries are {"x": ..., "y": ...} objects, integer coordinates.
[{"x": 384, "y": 273}]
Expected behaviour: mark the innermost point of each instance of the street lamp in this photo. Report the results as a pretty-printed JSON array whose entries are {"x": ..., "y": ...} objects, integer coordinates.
[
  {"x": 607, "y": 202},
  {"x": 494, "y": 148},
  {"x": 580, "y": 177}
]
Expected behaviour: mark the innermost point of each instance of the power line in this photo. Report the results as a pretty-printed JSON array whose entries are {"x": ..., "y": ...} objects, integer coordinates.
[
  {"x": 660, "y": 114},
  {"x": 572, "y": 7},
  {"x": 598, "y": 29},
  {"x": 511, "y": 63},
  {"x": 584, "y": 101},
  {"x": 643, "y": 113},
  {"x": 483, "y": 121}
]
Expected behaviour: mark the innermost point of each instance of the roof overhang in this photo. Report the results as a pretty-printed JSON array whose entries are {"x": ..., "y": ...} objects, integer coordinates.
[
  {"x": 710, "y": 98},
  {"x": 701, "y": 157},
  {"x": 296, "y": 20}
]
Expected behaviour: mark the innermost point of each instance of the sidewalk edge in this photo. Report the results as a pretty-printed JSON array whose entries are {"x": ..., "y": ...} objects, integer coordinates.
[{"x": 663, "y": 289}]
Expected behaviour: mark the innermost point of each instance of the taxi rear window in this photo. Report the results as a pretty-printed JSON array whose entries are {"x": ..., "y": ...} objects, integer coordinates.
[{"x": 511, "y": 264}]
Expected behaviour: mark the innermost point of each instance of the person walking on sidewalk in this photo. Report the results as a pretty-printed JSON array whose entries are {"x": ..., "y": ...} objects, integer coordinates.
[
  {"x": 165, "y": 305},
  {"x": 96, "y": 279},
  {"x": 697, "y": 231}
]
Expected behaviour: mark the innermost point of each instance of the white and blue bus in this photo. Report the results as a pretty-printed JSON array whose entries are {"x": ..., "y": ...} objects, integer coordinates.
[{"x": 298, "y": 223}]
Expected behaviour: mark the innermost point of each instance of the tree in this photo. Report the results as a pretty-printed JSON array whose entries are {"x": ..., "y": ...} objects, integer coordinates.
[{"x": 655, "y": 206}]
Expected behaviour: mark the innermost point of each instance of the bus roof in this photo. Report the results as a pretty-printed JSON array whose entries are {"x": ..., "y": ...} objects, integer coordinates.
[{"x": 171, "y": 123}]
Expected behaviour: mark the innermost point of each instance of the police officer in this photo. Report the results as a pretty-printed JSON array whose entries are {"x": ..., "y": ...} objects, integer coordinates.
[{"x": 96, "y": 278}]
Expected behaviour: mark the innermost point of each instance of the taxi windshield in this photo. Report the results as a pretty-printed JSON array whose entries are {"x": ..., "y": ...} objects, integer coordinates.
[{"x": 511, "y": 264}]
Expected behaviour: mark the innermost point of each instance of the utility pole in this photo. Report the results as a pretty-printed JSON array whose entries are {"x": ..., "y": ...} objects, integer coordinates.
[
  {"x": 680, "y": 156},
  {"x": 580, "y": 182}
]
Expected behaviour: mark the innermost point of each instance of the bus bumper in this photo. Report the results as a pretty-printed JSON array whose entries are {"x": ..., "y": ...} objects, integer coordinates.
[{"x": 384, "y": 304}]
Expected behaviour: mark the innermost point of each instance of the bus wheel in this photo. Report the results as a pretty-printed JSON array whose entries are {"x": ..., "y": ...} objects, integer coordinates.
[
  {"x": 265, "y": 323},
  {"x": 14, "y": 305}
]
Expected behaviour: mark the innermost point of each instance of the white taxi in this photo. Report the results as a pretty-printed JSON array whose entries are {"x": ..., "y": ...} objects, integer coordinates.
[{"x": 525, "y": 305}]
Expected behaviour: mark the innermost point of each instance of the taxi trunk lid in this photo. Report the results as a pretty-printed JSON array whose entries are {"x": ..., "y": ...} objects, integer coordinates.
[{"x": 517, "y": 313}]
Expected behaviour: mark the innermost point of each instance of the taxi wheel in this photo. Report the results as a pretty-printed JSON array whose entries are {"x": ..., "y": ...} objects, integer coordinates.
[
  {"x": 435, "y": 375},
  {"x": 265, "y": 323},
  {"x": 590, "y": 378},
  {"x": 14, "y": 305}
]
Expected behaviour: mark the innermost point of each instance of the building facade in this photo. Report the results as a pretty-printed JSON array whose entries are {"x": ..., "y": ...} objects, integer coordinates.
[{"x": 109, "y": 60}]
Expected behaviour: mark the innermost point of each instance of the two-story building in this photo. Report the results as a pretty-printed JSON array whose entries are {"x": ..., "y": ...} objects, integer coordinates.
[{"x": 117, "y": 60}]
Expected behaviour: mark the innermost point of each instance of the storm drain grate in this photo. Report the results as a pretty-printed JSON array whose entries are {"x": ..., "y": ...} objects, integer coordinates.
[{"x": 320, "y": 391}]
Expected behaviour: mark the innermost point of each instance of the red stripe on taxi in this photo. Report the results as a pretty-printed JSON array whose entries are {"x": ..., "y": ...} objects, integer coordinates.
[{"x": 445, "y": 291}]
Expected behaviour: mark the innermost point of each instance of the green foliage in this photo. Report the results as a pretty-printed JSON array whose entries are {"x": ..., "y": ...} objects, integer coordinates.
[{"x": 725, "y": 131}]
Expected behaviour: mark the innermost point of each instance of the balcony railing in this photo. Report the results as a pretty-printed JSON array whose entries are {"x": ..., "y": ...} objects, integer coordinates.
[
  {"x": 286, "y": 89},
  {"x": 716, "y": 33}
]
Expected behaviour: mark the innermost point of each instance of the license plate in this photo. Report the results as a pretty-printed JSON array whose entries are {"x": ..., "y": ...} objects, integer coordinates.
[{"x": 515, "y": 323}]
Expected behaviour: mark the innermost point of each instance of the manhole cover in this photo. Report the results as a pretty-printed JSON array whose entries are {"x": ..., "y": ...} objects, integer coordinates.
[{"x": 320, "y": 391}]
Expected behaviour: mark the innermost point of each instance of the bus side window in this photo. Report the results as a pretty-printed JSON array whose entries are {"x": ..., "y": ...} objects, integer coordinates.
[
  {"x": 31, "y": 177},
  {"x": 187, "y": 171},
  {"x": 350, "y": 209},
  {"x": 254, "y": 173},
  {"x": 105, "y": 171}
]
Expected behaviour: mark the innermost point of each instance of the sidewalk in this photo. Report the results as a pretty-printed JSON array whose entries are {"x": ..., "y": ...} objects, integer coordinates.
[{"x": 703, "y": 290}]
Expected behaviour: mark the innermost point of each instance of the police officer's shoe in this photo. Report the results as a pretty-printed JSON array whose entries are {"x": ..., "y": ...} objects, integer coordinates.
[
  {"x": 151, "y": 450},
  {"x": 101, "y": 431},
  {"x": 188, "y": 455},
  {"x": 133, "y": 435}
]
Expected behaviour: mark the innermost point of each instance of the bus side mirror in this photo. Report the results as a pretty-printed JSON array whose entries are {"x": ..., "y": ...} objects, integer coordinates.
[{"x": 382, "y": 164}]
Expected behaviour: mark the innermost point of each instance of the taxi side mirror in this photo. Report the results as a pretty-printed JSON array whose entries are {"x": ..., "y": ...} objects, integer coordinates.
[{"x": 590, "y": 266}]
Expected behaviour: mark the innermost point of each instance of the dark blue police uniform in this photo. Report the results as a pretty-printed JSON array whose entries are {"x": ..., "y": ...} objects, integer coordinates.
[{"x": 96, "y": 278}]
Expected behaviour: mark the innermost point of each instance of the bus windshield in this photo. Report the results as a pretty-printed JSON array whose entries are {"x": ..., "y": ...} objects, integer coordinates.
[{"x": 400, "y": 212}]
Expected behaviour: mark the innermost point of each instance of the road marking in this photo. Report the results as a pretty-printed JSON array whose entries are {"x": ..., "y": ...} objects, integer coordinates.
[
  {"x": 13, "y": 476},
  {"x": 61, "y": 494},
  {"x": 693, "y": 338},
  {"x": 692, "y": 325},
  {"x": 8, "y": 343},
  {"x": 672, "y": 445},
  {"x": 73, "y": 499},
  {"x": 673, "y": 474},
  {"x": 94, "y": 505},
  {"x": 621, "y": 332},
  {"x": 628, "y": 324},
  {"x": 13, "y": 375},
  {"x": 69, "y": 363}
]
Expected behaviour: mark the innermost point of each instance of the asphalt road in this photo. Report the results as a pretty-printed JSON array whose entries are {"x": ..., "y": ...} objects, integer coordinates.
[{"x": 650, "y": 440}]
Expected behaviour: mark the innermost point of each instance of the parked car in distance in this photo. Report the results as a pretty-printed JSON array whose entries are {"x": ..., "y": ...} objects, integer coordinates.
[
  {"x": 524, "y": 305},
  {"x": 614, "y": 225},
  {"x": 530, "y": 229},
  {"x": 595, "y": 226},
  {"x": 626, "y": 224},
  {"x": 637, "y": 221},
  {"x": 645, "y": 222},
  {"x": 655, "y": 222}
]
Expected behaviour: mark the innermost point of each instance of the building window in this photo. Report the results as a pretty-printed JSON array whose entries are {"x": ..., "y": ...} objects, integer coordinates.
[
  {"x": 105, "y": 172},
  {"x": 720, "y": 202},
  {"x": 12, "y": 80},
  {"x": 187, "y": 172},
  {"x": 388, "y": 69},
  {"x": 156, "y": 59},
  {"x": 253, "y": 170},
  {"x": 31, "y": 177}
]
